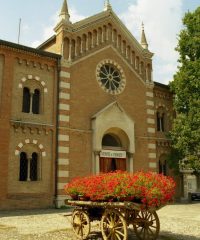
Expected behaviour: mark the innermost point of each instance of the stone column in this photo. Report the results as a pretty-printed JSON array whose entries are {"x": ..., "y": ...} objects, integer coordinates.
[
  {"x": 29, "y": 169},
  {"x": 31, "y": 102},
  {"x": 185, "y": 186},
  {"x": 96, "y": 165},
  {"x": 70, "y": 51},
  {"x": 130, "y": 161}
]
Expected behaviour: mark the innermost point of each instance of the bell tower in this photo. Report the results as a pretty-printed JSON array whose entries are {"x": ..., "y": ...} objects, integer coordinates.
[{"x": 63, "y": 27}]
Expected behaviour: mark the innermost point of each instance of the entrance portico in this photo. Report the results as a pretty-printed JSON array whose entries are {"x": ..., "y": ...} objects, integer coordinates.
[{"x": 113, "y": 140}]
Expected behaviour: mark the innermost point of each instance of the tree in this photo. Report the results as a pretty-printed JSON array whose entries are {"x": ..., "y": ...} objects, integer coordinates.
[{"x": 185, "y": 134}]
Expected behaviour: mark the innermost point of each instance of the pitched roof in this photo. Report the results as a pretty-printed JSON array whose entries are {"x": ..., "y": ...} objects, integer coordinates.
[
  {"x": 100, "y": 17},
  {"x": 29, "y": 49}
]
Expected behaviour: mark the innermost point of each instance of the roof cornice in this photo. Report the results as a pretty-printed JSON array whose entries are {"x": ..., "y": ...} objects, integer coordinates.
[
  {"x": 26, "y": 49},
  {"x": 49, "y": 40},
  {"x": 162, "y": 85}
]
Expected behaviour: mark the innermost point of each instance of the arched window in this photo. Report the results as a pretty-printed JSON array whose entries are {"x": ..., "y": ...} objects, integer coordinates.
[
  {"x": 34, "y": 167},
  {"x": 26, "y": 100},
  {"x": 160, "y": 120},
  {"x": 73, "y": 46},
  {"x": 163, "y": 165},
  {"x": 28, "y": 170},
  {"x": 31, "y": 101},
  {"x": 23, "y": 168},
  {"x": 36, "y": 101},
  {"x": 110, "y": 140}
]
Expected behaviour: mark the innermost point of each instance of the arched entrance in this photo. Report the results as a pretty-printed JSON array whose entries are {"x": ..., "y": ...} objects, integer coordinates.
[
  {"x": 113, "y": 138},
  {"x": 112, "y": 156}
]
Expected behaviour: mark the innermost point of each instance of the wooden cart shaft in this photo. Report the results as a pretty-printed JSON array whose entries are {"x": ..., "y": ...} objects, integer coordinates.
[{"x": 120, "y": 205}]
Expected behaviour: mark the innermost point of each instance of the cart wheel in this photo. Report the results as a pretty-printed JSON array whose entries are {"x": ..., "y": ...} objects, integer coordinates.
[
  {"x": 80, "y": 224},
  {"x": 113, "y": 225},
  {"x": 146, "y": 225}
]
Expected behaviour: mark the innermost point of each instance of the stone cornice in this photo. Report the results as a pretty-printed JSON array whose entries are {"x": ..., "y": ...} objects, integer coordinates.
[
  {"x": 30, "y": 126},
  {"x": 163, "y": 143}
]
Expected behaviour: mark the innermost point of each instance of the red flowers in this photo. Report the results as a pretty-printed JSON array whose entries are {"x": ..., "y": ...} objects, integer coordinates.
[{"x": 152, "y": 189}]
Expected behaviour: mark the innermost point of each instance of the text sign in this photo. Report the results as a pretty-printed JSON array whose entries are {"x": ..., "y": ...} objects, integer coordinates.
[{"x": 113, "y": 154}]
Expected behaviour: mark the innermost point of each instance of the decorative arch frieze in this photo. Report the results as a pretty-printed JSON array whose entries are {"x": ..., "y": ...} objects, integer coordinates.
[
  {"x": 162, "y": 95},
  {"x": 165, "y": 108},
  {"x": 82, "y": 43},
  {"x": 28, "y": 141},
  {"x": 162, "y": 105},
  {"x": 31, "y": 77}
]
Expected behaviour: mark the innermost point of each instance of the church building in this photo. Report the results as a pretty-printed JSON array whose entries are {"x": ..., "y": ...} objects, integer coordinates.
[{"x": 81, "y": 103}]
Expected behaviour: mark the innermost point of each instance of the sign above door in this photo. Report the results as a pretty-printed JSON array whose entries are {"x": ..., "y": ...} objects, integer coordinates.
[{"x": 113, "y": 154}]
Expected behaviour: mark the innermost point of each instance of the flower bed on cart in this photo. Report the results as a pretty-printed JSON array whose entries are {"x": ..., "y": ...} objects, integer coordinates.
[{"x": 150, "y": 189}]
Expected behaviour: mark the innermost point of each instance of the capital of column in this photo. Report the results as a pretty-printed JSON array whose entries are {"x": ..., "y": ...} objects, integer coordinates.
[
  {"x": 96, "y": 152},
  {"x": 130, "y": 154}
]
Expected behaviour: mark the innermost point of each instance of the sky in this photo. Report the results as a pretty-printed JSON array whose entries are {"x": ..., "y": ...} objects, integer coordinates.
[{"x": 162, "y": 22}]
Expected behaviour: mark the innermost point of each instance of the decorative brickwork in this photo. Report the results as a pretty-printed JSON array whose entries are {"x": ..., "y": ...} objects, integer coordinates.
[
  {"x": 96, "y": 84},
  {"x": 28, "y": 141},
  {"x": 31, "y": 77},
  {"x": 63, "y": 131}
]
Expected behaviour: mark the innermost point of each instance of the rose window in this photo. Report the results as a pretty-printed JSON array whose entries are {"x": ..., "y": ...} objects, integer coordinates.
[{"x": 110, "y": 77}]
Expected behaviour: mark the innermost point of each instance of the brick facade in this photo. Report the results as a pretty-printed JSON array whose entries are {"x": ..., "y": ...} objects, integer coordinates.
[
  {"x": 76, "y": 110},
  {"x": 27, "y": 132}
]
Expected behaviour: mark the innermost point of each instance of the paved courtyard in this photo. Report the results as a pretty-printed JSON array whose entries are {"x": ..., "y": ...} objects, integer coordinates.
[{"x": 178, "y": 222}]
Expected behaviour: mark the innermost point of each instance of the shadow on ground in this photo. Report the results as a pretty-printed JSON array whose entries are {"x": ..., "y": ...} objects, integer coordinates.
[
  {"x": 164, "y": 235},
  {"x": 15, "y": 213},
  {"x": 29, "y": 212},
  {"x": 96, "y": 235}
]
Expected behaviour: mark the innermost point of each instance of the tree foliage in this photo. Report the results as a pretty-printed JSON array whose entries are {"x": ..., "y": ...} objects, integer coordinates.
[{"x": 185, "y": 134}]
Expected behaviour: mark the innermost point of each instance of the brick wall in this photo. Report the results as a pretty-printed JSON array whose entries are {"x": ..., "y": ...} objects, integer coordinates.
[{"x": 27, "y": 132}]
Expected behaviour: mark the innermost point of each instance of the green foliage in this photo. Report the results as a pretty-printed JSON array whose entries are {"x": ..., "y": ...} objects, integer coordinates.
[
  {"x": 173, "y": 160},
  {"x": 185, "y": 134}
]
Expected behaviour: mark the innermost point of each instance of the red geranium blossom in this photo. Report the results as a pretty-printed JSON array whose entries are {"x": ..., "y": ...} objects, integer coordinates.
[{"x": 152, "y": 189}]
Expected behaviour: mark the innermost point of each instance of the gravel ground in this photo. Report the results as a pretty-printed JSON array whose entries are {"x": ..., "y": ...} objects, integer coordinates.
[{"x": 178, "y": 222}]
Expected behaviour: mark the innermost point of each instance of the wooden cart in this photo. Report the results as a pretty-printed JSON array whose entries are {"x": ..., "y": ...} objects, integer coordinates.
[{"x": 115, "y": 218}]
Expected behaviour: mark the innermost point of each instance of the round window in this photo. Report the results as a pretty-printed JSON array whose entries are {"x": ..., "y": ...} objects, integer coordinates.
[{"x": 110, "y": 77}]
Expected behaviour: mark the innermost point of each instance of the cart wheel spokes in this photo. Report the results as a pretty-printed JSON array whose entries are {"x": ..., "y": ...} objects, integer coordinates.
[
  {"x": 113, "y": 226},
  {"x": 146, "y": 225},
  {"x": 81, "y": 224}
]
